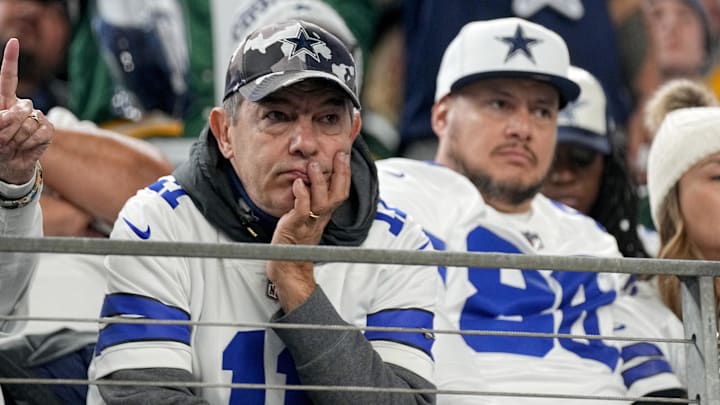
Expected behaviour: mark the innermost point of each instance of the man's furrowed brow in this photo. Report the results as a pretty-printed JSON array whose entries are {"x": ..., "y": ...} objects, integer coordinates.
[
  {"x": 336, "y": 100},
  {"x": 273, "y": 99},
  {"x": 276, "y": 100}
]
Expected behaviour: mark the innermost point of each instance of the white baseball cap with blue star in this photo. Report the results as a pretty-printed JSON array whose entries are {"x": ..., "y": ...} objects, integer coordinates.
[
  {"x": 506, "y": 47},
  {"x": 586, "y": 121}
]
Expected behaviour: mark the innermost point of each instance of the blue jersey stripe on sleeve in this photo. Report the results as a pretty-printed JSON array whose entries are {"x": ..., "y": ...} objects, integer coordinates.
[
  {"x": 640, "y": 350},
  {"x": 405, "y": 318},
  {"x": 125, "y": 333},
  {"x": 645, "y": 370},
  {"x": 140, "y": 307}
]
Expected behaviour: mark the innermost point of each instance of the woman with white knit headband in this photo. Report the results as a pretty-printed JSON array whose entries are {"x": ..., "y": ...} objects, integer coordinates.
[{"x": 684, "y": 189}]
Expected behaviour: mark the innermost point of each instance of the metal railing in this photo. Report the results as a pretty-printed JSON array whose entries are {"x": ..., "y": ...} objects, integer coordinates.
[{"x": 699, "y": 312}]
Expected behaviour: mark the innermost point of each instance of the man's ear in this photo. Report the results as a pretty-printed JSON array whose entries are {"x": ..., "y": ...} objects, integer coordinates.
[
  {"x": 219, "y": 127},
  {"x": 356, "y": 125},
  {"x": 439, "y": 116}
]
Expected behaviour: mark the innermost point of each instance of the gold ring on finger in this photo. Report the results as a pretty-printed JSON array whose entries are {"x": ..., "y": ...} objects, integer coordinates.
[
  {"x": 313, "y": 215},
  {"x": 34, "y": 116}
]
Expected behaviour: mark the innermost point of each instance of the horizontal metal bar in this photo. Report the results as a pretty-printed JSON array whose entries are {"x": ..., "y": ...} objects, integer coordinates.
[
  {"x": 260, "y": 251},
  {"x": 268, "y": 325},
  {"x": 194, "y": 384}
]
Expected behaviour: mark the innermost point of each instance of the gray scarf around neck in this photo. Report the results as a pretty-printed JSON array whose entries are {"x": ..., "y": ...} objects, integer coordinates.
[{"x": 203, "y": 176}]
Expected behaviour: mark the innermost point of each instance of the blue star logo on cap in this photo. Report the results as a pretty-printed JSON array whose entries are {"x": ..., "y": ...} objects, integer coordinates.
[
  {"x": 519, "y": 43},
  {"x": 303, "y": 44}
]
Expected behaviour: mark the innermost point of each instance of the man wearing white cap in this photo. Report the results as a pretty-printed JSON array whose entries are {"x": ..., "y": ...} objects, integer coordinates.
[
  {"x": 588, "y": 174},
  {"x": 500, "y": 87}
]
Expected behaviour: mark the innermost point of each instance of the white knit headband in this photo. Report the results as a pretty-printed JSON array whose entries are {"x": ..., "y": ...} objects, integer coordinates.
[{"x": 686, "y": 136}]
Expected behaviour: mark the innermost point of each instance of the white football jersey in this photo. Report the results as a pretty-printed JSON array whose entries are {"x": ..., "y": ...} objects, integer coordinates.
[
  {"x": 502, "y": 299},
  {"x": 640, "y": 312},
  {"x": 233, "y": 290}
]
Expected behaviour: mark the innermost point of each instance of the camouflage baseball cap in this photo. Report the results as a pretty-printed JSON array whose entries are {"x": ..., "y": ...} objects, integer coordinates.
[{"x": 286, "y": 53}]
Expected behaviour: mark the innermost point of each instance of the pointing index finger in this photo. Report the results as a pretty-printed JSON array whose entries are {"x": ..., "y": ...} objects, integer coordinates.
[{"x": 9, "y": 74}]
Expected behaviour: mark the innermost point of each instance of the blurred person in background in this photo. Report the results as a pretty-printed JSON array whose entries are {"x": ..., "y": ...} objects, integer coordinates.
[
  {"x": 681, "y": 34},
  {"x": 681, "y": 42},
  {"x": 45, "y": 28},
  {"x": 78, "y": 199},
  {"x": 384, "y": 89},
  {"x": 147, "y": 84},
  {"x": 176, "y": 48},
  {"x": 589, "y": 172}
]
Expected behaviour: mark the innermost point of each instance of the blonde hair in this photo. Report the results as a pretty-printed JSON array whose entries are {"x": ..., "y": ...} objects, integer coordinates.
[
  {"x": 673, "y": 95},
  {"x": 674, "y": 244}
]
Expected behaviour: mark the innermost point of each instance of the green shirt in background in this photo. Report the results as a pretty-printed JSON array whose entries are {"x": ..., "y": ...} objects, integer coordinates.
[{"x": 91, "y": 84}]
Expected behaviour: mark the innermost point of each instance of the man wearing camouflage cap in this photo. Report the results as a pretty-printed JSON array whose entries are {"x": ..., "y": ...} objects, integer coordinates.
[{"x": 280, "y": 163}]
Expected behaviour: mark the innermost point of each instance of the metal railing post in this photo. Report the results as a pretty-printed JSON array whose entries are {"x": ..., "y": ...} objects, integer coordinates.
[{"x": 698, "y": 304}]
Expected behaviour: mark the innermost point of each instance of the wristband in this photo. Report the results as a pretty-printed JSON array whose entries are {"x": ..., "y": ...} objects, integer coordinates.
[{"x": 30, "y": 196}]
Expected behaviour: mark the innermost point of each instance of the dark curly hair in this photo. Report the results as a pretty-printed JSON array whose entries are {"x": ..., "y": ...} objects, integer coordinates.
[{"x": 616, "y": 207}]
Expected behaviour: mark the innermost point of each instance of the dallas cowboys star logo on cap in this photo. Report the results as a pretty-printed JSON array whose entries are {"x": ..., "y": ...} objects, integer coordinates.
[
  {"x": 303, "y": 44},
  {"x": 519, "y": 43}
]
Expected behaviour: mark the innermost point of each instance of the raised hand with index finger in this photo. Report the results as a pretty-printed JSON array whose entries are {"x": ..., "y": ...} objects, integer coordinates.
[{"x": 25, "y": 133}]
